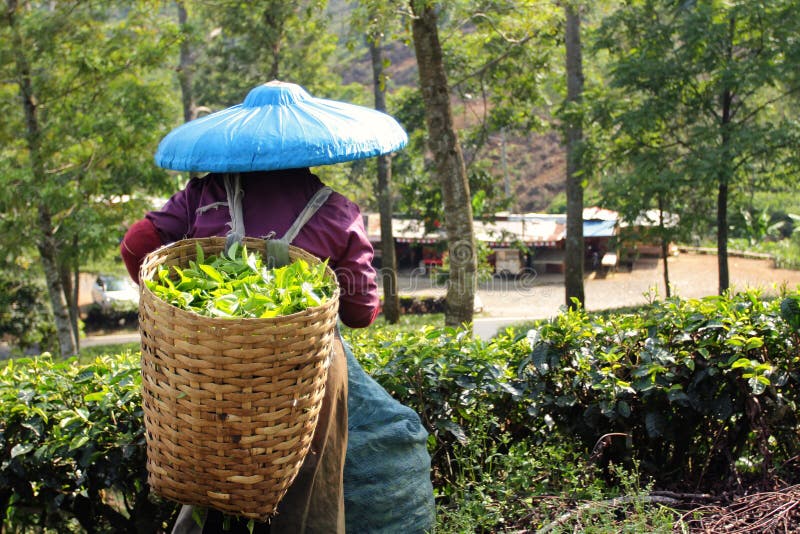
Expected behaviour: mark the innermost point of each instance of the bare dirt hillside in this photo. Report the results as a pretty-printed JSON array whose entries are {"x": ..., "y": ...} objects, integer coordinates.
[{"x": 535, "y": 163}]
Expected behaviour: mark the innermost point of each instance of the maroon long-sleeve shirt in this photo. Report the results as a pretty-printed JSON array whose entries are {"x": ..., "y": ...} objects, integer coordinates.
[{"x": 272, "y": 201}]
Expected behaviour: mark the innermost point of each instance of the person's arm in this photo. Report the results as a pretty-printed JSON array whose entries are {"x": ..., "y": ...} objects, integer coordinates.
[
  {"x": 140, "y": 239},
  {"x": 174, "y": 220},
  {"x": 157, "y": 228},
  {"x": 359, "y": 303}
]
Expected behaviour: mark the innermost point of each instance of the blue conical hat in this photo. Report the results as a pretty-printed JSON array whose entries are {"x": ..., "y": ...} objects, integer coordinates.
[{"x": 279, "y": 126}]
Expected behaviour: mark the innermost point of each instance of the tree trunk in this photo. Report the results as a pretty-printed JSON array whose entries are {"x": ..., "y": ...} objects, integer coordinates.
[
  {"x": 71, "y": 295},
  {"x": 48, "y": 254},
  {"x": 76, "y": 291},
  {"x": 722, "y": 235},
  {"x": 186, "y": 67},
  {"x": 664, "y": 246},
  {"x": 391, "y": 299},
  {"x": 276, "y": 13},
  {"x": 449, "y": 166},
  {"x": 575, "y": 249},
  {"x": 45, "y": 241},
  {"x": 724, "y": 175}
]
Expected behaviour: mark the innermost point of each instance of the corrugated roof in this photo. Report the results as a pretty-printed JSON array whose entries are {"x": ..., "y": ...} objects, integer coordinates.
[{"x": 532, "y": 229}]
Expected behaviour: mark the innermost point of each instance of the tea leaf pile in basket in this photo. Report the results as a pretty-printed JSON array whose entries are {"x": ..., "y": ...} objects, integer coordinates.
[{"x": 237, "y": 284}]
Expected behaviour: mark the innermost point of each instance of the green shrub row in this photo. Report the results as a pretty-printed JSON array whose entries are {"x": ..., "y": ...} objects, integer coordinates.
[
  {"x": 706, "y": 390},
  {"x": 697, "y": 391},
  {"x": 72, "y": 450},
  {"x": 693, "y": 392}
]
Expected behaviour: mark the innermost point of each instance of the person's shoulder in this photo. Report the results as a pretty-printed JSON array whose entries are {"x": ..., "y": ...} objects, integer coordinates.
[
  {"x": 199, "y": 182},
  {"x": 342, "y": 206},
  {"x": 339, "y": 199}
]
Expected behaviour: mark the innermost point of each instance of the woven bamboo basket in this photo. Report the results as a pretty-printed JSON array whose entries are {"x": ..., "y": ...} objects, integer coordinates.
[{"x": 230, "y": 405}]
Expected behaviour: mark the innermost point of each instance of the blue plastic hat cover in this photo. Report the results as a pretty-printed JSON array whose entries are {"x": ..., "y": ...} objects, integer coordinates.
[{"x": 279, "y": 126}]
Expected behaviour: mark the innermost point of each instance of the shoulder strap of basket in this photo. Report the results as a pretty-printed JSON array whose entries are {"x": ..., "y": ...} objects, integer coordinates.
[
  {"x": 234, "y": 193},
  {"x": 278, "y": 249}
]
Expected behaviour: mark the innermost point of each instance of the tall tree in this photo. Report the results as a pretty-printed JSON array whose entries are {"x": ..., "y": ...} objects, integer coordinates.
[
  {"x": 573, "y": 134},
  {"x": 498, "y": 57},
  {"x": 251, "y": 43},
  {"x": 186, "y": 65},
  {"x": 704, "y": 80},
  {"x": 448, "y": 163},
  {"x": 90, "y": 110},
  {"x": 377, "y": 23},
  {"x": 391, "y": 298}
]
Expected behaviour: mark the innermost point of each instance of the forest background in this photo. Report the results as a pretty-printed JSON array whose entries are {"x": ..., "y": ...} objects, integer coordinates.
[{"x": 688, "y": 107}]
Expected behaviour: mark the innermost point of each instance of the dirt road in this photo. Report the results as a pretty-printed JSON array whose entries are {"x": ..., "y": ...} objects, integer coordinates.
[{"x": 541, "y": 296}]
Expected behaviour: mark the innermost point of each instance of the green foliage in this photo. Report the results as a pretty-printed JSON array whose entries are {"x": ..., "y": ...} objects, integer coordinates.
[
  {"x": 238, "y": 284},
  {"x": 443, "y": 374},
  {"x": 495, "y": 39},
  {"x": 790, "y": 311},
  {"x": 697, "y": 384},
  {"x": 24, "y": 316},
  {"x": 250, "y": 43},
  {"x": 497, "y": 55},
  {"x": 72, "y": 446},
  {"x": 89, "y": 354},
  {"x": 500, "y": 484},
  {"x": 92, "y": 71},
  {"x": 702, "y": 391},
  {"x": 786, "y": 252},
  {"x": 757, "y": 226},
  {"x": 777, "y": 202},
  {"x": 697, "y": 105},
  {"x": 628, "y": 512},
  {"x": 89, "y": 104}
]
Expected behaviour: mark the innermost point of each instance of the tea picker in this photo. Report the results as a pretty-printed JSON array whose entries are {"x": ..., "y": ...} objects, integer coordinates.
[{"x": 364, "y": 462}]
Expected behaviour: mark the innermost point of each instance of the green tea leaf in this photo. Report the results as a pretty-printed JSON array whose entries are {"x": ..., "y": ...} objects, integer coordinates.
[
  {"x": 211, "y": 272},
  {"x": 21, "y": 448},
  {"x": 239, "y": 285},
  {"x": 200, "y": 256},
  {"x": 95, "y": 397}
]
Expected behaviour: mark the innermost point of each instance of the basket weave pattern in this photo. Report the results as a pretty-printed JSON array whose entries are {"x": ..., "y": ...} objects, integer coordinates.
[{"x": 230, "y": 405}]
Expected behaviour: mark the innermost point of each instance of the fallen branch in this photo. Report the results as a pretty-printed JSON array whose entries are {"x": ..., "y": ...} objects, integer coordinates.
[{"x": 685, "y": 497}]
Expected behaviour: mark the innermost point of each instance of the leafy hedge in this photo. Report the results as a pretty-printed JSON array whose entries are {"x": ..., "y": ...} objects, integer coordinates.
[
  {"x": 72, "y": 447},
  {"x": 705, "y": 391}
]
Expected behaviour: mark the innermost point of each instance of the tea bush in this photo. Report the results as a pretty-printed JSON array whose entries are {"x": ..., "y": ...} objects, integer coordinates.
[
  {"x": 691, "y": 392},
  {"x": 697, "y": 384},
  {"x": 72, "y": 447},
  {"x": 700, "y": 387}
]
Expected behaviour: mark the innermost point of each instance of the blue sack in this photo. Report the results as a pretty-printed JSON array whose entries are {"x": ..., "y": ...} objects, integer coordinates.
[{"x": 387, "y": 481}]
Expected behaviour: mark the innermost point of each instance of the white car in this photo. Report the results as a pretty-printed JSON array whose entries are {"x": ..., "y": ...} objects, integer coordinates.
[{"x": 115, "y": 293}]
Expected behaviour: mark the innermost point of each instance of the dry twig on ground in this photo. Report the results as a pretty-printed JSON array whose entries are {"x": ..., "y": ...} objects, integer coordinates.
[{"x": 770, "y": 512}]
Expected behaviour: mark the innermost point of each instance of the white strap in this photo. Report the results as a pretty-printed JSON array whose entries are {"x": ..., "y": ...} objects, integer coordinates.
[
  {"x": 234, "y": 192},
  {"x": 278, "y": 249},
  {"x": 311, "y": 208}
]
